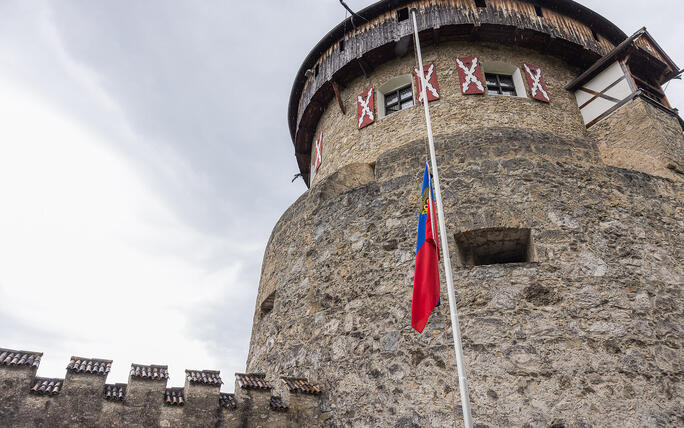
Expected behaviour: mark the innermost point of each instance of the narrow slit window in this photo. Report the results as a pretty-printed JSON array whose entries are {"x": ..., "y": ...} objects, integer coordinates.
[
  {"x": 480, "y": 3},
  {"x": 342, "y": 45},
  {"x": 538, "y": 11},
  {"x": 495, "y": 246},
  {"x": 402, "y": 14},
  {"x": 595, "y": 34},
  {"x": 316, "y": 70},
  {"x": 267, "y": 304}
]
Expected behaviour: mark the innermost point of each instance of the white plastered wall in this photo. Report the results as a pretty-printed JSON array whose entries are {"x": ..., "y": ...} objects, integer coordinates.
[{"x": 604, "y": 79}]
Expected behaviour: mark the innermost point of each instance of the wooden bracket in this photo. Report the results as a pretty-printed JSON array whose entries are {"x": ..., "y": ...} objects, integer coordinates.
[{"x": 336, "y": 89}]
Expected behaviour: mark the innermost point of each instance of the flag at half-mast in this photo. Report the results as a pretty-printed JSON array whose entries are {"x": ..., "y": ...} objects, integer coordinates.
[{"x": 426, "y": 277}]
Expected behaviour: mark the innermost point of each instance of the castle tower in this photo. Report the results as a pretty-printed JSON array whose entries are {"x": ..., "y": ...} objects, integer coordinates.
[{"x": 562, "y": 167}]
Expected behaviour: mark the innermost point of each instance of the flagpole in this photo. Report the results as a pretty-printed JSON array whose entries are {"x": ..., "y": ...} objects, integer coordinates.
[{"x": 465, "y": 399}]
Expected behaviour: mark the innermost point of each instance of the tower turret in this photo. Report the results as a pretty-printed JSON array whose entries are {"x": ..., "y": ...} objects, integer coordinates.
[{"x": 563, "y": 225}]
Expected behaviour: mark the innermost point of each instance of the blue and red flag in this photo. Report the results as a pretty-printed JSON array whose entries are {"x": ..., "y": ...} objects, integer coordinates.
[{"x": 426, "y": 277}]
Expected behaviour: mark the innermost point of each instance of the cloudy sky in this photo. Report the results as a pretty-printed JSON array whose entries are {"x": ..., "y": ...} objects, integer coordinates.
[{"x": 144, "y": 159}]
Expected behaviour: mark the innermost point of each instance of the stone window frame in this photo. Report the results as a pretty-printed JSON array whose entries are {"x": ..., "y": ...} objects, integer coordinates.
[
  {"x": 393, "y": 85},
  {"x": 503, "y": 68},
  {"x": 509, "y": 246}
]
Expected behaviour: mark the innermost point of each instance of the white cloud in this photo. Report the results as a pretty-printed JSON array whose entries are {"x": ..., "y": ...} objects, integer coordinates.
[{"x": 91, "y": 250}]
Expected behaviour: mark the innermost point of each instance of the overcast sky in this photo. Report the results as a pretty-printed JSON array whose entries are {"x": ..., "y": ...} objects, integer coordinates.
[{"x": 144, "y": 159}]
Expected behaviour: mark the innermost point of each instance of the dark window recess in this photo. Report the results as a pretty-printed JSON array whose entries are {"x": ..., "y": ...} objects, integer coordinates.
[
  {"x": 267, "y": 304},
  {"x": 402, "y": 14},
  {"x": 595, "y": 34},
  {"x": 651, "y": 90},
  {"x": 538, "y": 10},
  {"x": 494, "y": 246},
  {"x": 480, "y": 3},
  {"x": 500, "y": 84},
  {"x": 316, "y": 70},
  {"x": 341, "y": 45},
  {"x": 398, "y": 100}
]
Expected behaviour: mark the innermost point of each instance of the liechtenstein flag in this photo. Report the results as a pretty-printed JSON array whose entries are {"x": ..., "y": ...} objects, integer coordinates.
[{"x": 426, "y": 277}]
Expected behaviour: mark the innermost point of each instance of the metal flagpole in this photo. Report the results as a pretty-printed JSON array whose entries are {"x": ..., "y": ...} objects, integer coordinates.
[{"x": 465, "y": 399}]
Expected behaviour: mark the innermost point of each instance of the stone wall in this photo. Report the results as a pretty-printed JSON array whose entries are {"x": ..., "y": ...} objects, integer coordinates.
[
  {"x": 642, "y": 137},
  {"x": 344, "y": 144},
  {"x": 81, "y": 400},
  {"x": 586, "y": 334}
]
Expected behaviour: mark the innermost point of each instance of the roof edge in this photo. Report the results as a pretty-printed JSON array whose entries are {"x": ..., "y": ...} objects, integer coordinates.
[{"x": 567, "y": 7}]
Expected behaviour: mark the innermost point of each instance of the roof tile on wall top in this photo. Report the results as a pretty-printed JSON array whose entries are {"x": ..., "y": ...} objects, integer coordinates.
[
  {"x": 278, "y": 405},
  {"x": 116, "y": 392},
  {"x": 301, "y": 385},
  {"x": 89, "y": 365},
  {"x": 150, "y": 372},
  {"x": 227, "y": 400},
  {"x": 46, "y": 386},
  {"x": 174, "y": 397},
  {"x": 253, "y": 381},
  {"x": 207, "y": 377},
  {"x": 10, "y": 357}
]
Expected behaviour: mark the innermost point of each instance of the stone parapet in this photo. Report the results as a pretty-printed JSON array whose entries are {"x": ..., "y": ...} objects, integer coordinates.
[{"x": 83, "y": 399}]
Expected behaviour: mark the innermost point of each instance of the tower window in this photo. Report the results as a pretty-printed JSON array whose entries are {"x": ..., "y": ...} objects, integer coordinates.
[
  {"x": 267, "y": 304},
  {"x": 595, "y": 34},
  {"x": 342, "y": 45},
  {"x": 316, "y": 70},
  {"x": 500, "y": 84},
  {"x": 398, "y": 100},
  {"x": 402, "y": 14},
  {"x": 495, "y": 246},
  {"x": 480, "y": 3},
  {"x": 394, "y": 95},
  {"x": 538, "y": 10}
]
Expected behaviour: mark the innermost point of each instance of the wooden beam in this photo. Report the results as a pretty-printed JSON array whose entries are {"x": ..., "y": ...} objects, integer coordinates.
[
  {"x": 602, "y": 94},
  {"x": 336, "y": 89}
]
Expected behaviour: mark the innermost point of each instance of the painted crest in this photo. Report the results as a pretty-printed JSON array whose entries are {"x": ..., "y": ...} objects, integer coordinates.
[
  {"x": 535, "y": 81},
  {"x": 364, "y": 108},
  {"x": 318, "y": 156},
  {"x": 470, "y": 75},
  {"x": 431, "y": 88}
]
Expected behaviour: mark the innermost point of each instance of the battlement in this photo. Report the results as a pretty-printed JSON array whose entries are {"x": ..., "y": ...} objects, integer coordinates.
[{"x": 82, "y": 398}]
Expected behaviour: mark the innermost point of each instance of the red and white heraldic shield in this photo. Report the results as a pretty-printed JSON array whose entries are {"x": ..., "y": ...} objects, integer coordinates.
[
  {"x": 535, "y": 81},
  {"x": 432, "y": 88},
  {"x": 470, "y": 75},
  {"x": 364, "y": 108},
  {"x": 318, "y": 156}
]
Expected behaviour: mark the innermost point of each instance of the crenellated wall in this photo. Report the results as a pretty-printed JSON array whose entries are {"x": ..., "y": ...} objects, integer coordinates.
[{"x": 83, "y": 399}]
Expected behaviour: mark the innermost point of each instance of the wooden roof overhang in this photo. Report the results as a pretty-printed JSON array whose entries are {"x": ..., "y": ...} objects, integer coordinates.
[
  {"x": 642, "y": 54},
  {"x": 381, "y": 38}
]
